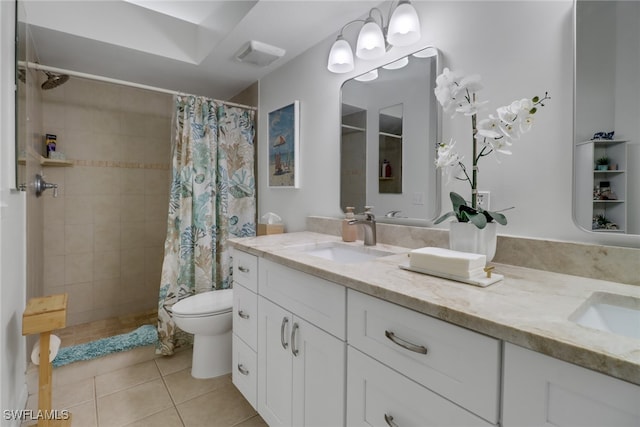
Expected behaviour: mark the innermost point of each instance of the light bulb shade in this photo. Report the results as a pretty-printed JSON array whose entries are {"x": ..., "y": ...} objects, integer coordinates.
[
  {"x": 402, "y": 62},
  {"x": 370, "y": 41},
  {"x": 367, "y": 77},
  {"x": 340, "y": 57},
  {"x": 404, "y": 26}
]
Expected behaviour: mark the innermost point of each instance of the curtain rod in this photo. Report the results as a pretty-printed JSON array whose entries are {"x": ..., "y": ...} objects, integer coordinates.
[{"x": 41, "y": 67}]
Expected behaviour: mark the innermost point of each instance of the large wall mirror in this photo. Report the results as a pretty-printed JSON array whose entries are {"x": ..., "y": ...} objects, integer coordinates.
[
  {"x": 390, "y": 128},
  {"x": 607, "y": 112}
]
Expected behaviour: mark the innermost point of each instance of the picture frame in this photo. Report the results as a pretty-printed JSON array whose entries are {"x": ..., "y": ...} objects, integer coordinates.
[{"x": 284, "y": 146}]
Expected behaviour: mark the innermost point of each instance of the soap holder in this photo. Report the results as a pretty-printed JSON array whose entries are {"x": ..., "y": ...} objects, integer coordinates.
[{"x": 482, "y": 280}]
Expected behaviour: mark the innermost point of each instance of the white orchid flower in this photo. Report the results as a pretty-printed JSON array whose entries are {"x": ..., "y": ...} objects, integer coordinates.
[
  {"x": 507, "y": 115},
  {"x": 448, "y": 78},
  {"x": 526, "y": 123},
  {"x": 447, "y": 155},
  {"x": 449, "y": 160},
  {"x": 469, "y": 83},
  {"x": 521, "y": 107},
  {"x": 471, "y": 108},
  {"x": 445, "y": 98},
  {"x": 497, "y": 145},
  {"x": 489, "y": 128}
]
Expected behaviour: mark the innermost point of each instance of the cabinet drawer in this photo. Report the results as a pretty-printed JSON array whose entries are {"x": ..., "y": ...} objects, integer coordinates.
[
  {"x": 245, "y": 370},
  {"x": 459, "y": 364},
  {"x": 245, "y": 315},
  {"x": 379, "y": 396},
  {"x": 542, "y": 391},
  {"x": 245, "y": 270},
  {"x": 316, "y": 300}
]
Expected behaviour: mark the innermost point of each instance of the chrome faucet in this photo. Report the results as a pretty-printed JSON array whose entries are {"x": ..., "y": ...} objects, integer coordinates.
[
  {"x": 369, "y": 223},
  {"x": 393, "y": 214}
]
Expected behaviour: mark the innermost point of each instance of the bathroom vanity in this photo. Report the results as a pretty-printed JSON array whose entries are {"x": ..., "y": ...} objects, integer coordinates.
[{"x": 322, "y": 341}]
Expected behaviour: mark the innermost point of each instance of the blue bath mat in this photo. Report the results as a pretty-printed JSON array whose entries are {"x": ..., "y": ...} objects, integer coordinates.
[{"x": 144, "y": 335}]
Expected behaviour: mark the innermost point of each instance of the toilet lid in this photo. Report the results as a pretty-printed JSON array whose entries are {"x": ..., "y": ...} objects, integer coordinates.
[{"x": 205, "y": 303}]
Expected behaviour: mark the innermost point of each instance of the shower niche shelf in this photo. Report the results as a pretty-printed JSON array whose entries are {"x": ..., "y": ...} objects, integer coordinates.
[{"x": 44, "y": 161}]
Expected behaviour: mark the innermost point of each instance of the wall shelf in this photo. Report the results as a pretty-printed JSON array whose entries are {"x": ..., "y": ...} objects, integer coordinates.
[
  {"x": 590, "y": 179},
  {"x": 44, "y": 161}
]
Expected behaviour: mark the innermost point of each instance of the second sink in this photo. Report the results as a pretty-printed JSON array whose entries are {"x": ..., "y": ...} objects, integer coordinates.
[{"x": 607, "y": 312}]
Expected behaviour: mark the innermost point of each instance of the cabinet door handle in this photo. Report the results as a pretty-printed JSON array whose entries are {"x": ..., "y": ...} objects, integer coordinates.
[
  {"x": 242, "y": 369},
  {"x": 243, "y": 269},
  {"x": 389, "y": 420},
  {"x": 294, "y": 350},
  {"x": 285, "y": 344},
  {"x": 243, "y": 314},
  {"x": 405, "y": 344}
]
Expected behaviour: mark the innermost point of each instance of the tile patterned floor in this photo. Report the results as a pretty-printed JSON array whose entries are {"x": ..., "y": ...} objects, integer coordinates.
[{"x": 137, "y": 388}]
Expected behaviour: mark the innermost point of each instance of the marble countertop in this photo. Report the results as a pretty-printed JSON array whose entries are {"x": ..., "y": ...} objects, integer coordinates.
[{"x": 530, "y": 308}]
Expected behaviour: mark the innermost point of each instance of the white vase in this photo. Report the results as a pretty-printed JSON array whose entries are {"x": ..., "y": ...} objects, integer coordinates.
[{"x": 466, "y": 237}]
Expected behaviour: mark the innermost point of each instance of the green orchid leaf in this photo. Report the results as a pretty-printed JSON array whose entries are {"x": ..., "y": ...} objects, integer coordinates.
[
  {"x": 478, "y": 219},
  {"x": 497, "y": 217},
  {"x": 443, "y": 217},
  {"x": 457, "y": 201}
]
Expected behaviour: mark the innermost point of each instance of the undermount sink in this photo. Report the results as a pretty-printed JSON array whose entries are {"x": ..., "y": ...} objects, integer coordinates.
[
  {"x": 345, "y": 254},
  {"x": 618, "y": 314}
]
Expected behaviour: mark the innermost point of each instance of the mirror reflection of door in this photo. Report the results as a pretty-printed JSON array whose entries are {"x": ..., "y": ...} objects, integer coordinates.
[
  {"x": 353, "y": 182},
  {"x": 390, "y": 149},
  {"x": 21, "y": 96}
]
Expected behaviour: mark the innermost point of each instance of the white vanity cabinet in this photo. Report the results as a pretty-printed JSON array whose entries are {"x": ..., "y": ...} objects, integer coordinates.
[
  {"x": 542, "y": 391},
  {"x": 301, "y": 348},
  {"x": 245, "y": 325},
  {"x": 440, "y": 374}
]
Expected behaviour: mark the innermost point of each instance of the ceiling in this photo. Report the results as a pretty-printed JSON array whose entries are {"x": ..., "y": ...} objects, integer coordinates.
[{"x": 182, "y": 45}]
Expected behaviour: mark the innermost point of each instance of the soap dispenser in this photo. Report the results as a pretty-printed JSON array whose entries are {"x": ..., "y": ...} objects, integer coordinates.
[{"x": 349, "y": 231}]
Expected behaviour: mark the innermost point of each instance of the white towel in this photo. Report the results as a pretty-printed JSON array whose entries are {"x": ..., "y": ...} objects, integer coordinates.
[{"x": 446, "y": 261}]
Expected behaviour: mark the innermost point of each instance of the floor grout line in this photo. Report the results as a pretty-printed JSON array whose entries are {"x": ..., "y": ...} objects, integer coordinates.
[
  {"x": 95, "y": 400},
  {"x": 175, "y": 406}
]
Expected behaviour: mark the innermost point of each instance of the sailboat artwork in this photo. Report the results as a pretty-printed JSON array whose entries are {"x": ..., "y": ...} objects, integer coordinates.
[
  {"x": 283, "y": 146},
  {"x": 282, "y": 165}
]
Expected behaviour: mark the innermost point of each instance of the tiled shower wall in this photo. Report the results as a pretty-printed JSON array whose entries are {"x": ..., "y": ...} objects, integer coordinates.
[{"x": 104, "y": 233}]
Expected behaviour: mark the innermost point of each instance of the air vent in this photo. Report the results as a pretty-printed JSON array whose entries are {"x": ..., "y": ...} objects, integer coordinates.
[{"x": 258, "y": 53}]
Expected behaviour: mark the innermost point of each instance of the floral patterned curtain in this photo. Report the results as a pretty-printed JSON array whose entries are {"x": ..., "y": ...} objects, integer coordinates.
[{"x": 212, "y": 197}]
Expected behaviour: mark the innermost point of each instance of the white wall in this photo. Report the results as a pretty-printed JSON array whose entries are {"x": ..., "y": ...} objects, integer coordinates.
[
  {"x": 520, "y": 48},
  {"x": 13, "y": 392}
]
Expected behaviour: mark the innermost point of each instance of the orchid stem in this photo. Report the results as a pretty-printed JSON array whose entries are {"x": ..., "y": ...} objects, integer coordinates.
[{"x": 474, "y": 172}]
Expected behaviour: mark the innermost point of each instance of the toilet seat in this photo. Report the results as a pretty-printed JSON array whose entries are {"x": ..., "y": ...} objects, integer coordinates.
[{"x": 205, "y": 304}]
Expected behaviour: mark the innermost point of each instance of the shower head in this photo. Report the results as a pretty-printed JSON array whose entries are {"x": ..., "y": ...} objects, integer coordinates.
[{"x": 53, "y": 80}]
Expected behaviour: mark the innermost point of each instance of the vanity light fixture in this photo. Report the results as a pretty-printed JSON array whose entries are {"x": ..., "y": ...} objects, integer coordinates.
[{"x": 374, "y": 39}]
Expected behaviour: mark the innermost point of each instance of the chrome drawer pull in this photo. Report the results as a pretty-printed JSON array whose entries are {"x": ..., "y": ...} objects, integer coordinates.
[
  {"x": 285, "y": 344},
  {"x": 243, "y": 269},
  {"x": 389, "y": 420},
  {"x": 242, "y": 369},
  {"x": 405, "y": 344},
  {"x": 294, "y": 350},
  {"x": 243, "y": 314}
]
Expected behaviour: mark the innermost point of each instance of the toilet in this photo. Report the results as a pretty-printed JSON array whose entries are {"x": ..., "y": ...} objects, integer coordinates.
[{"x": 208, "y": 316}]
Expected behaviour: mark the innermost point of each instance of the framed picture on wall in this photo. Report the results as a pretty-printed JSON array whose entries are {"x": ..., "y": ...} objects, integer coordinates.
[{"x": 284, "y": 166}]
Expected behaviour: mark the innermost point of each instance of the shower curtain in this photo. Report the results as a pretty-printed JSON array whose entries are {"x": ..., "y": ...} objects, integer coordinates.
[{"x": 212, "y": 198}]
